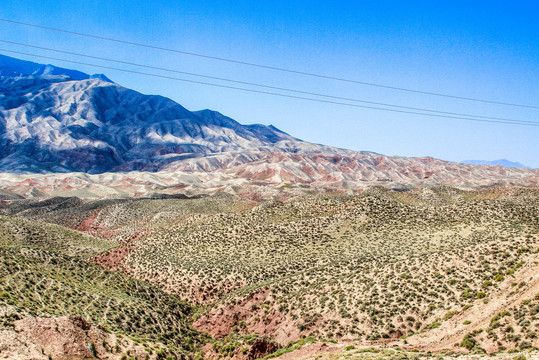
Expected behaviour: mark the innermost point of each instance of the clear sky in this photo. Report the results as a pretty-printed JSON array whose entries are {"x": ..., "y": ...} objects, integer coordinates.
[{"x": 478, "y": 49}]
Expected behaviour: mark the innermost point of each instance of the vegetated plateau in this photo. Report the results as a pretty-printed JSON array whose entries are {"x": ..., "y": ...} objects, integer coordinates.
[{"x": 380, "y": 274}]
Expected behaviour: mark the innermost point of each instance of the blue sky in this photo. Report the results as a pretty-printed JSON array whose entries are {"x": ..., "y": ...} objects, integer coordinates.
[{"x": 477, "y": 49}]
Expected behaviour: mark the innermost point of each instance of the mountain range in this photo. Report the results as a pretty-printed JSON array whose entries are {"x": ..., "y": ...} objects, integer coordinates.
[
  {"x": 55, "y": 120},
  {"x": 499, "y": 162},
  {"x": 133, "y": 228}
]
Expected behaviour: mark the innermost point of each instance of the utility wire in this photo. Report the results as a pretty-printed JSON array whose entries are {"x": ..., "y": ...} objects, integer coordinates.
[
  {"x": 259, "y": 85},
  {"x": 513, "y": 122},
  {"x": 273, "y": 67}
]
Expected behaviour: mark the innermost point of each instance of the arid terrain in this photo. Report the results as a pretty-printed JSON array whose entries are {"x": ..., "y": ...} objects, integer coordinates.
[
  {"x": 374, "y": 274},
  {"x": 133, "y": 228}
]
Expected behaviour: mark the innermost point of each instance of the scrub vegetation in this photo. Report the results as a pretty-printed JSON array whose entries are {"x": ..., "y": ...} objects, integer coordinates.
[{"x": 435, "y": 265}]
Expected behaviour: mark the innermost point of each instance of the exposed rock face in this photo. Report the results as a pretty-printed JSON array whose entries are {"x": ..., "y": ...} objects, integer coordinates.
[
  {"x": 260, "y": 348},
  {"x": 63, "y": 338},
  {"x": 69, "y": 335},
  {"x": 265, "y": 177}
]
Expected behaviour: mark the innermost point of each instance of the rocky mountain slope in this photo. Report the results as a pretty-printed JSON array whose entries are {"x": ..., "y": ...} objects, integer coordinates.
[
  {"x": 11, "y": 67},
  {"x": 55, "y": 120},
  {"x": 59, "y": 123}
]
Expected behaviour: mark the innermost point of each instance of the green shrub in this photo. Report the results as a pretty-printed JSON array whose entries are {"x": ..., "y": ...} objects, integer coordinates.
[
  {"x": 449, "y": 315},
  {"x": 468, "y": 341}
]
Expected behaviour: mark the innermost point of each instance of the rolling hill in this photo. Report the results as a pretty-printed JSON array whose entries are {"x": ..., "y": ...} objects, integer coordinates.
[{"x": 435, "y": 269}]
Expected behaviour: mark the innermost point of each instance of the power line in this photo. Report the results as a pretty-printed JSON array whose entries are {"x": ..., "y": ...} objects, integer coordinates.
[
  {"x": 273, "y": 67},
  {"x": 513, "y": 122},
  {"x": 260, "y": 85}
]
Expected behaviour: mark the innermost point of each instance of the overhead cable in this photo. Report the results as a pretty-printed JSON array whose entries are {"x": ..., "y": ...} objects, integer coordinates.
[
  {"x": 512, "y": 122},
  {"x": 257, "y": 84},
  {"x": 268, "y": 67}
]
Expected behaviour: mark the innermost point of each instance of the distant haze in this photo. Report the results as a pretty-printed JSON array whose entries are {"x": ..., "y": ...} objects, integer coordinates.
[{"x": 501, "y": 162}]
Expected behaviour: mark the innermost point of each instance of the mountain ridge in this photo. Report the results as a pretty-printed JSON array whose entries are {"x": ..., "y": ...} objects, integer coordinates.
[
  {"x": 52, "y": 123},
  {"x": 499, "y": 162},
  {"x": 57, "y": 119},
  {"x": 13, "y": 67}
]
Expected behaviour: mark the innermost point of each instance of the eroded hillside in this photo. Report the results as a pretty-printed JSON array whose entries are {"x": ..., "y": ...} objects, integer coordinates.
[{"x": 54, "y": 303}]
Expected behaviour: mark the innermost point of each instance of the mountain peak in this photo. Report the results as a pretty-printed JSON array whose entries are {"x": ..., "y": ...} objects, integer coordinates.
[
  {"x": 13, "y": 67},
  {"x": 101, "y": 77},
  {"x": 57, "y": 121}
]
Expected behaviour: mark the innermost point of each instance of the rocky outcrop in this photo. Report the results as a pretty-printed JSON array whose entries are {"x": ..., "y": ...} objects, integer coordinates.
[{"x": 63, "y": 338}]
